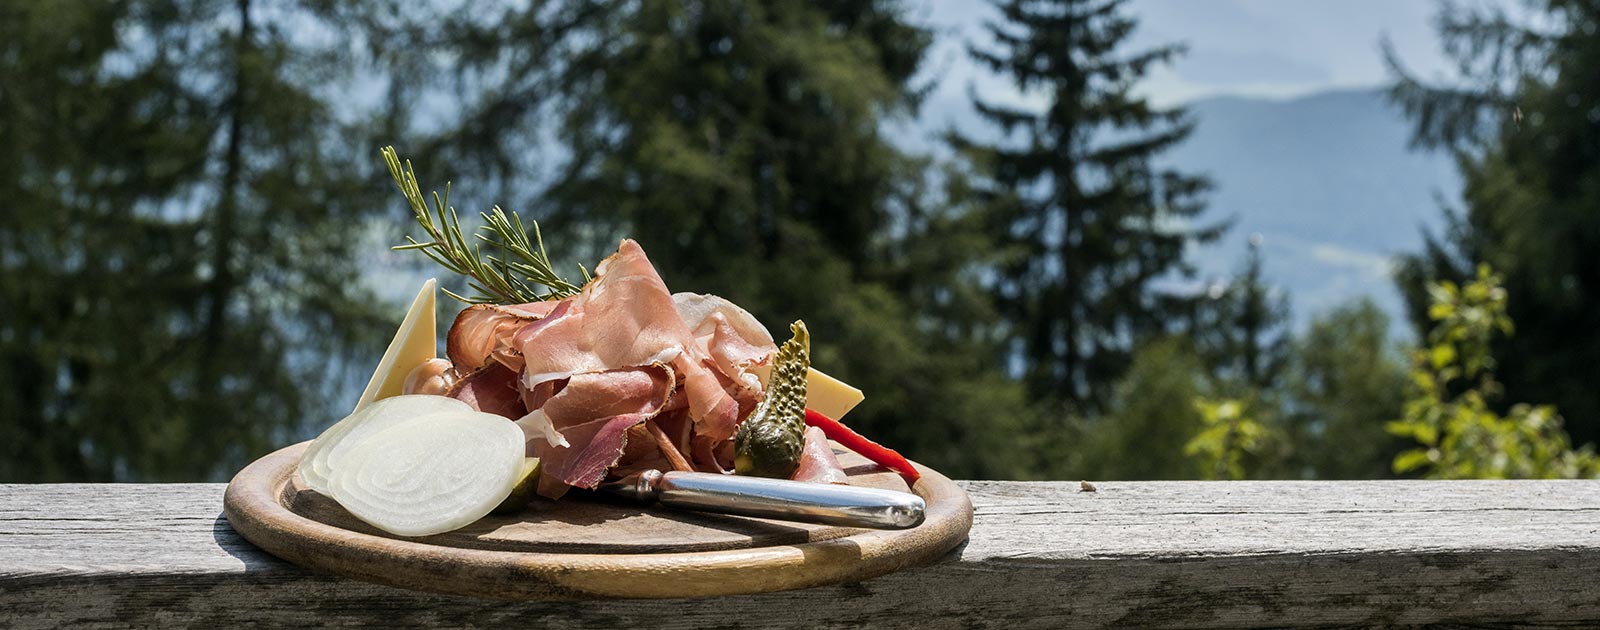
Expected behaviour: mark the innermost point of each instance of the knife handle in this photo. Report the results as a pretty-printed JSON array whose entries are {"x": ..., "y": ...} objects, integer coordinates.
[{"x": 782, "y": 499}]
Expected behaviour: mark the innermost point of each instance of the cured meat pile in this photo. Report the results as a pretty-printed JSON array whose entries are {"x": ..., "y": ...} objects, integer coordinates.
[{"x": 621, "y": 377}]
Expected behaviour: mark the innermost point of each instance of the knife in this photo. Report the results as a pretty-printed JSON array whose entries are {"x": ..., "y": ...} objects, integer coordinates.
[{"x": 780, "y": 499}]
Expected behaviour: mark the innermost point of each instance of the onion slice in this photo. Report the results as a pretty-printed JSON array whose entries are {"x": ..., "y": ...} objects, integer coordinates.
[
  {"x": 431, "y": 474},
  {"x": 317, "y": 463}
]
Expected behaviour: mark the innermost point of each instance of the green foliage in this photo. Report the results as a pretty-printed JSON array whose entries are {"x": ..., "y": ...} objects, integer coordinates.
[
  {"x": 1241, "y": 330},
  {"x": 190, "y": 295},
  {"x": 1083, "y": 220},
  {"x": 1228, "y": 434},
  {"x": 1344, "y": 383},
  {"x": 1153, "y": 418},
  {"x": 1175, "y": 418},
  {"x": 178, "y": 285},
  {"x": 1452, "y": 380},
  {"x": 1520, "y": 120}
]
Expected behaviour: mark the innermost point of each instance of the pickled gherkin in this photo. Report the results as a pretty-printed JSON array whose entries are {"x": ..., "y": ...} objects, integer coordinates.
[{"x": 768, "y": 443}]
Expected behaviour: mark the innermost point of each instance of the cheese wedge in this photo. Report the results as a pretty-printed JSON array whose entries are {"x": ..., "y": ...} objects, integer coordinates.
[
  {"x": 829, "y": 396},
  {"x": 415, "y": 342},
  {"x": 825, "y": 394}
]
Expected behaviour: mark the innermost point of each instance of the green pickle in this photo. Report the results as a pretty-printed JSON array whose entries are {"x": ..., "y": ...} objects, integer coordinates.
[{"x": 768, "y": 443}]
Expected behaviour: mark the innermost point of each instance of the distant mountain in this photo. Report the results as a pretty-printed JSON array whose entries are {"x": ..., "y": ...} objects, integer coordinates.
[{"x": 1329, "y": 183}]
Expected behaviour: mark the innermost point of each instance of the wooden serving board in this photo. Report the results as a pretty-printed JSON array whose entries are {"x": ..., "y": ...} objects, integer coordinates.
[{"x": 589, "y": 546}]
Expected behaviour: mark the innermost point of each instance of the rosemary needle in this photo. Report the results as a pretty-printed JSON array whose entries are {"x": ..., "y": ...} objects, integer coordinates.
[{"x": 515, "y": 267}]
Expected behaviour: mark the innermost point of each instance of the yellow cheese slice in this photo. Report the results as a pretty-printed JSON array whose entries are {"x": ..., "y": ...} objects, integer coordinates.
[
  {"x": 825, "y": 394},
  {"x": 414, "y": 343},
  {"x": 829, "y": 396}
]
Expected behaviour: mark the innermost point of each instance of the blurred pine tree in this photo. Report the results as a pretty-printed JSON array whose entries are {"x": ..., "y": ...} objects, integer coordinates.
[
  {"x": 1153, "y": 417},
  {"x": 1345, "y": 382},
  {"x": 182, "y": 199},
  {"x": 1241, "y": 327},
  {"x": 1085, "y": 220},
  {"x": 1523, "y": 120}
]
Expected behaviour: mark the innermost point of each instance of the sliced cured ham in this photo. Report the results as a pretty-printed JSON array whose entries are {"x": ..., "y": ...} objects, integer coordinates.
[
  {"x": 626, "y": 317},
  {"x": 490, "y": 389},
  {"x": 817, "y": 461},
  {"x": 484, "y": 331},
  {"x": 734, "y": 343},
  {"x": 733, "y": 338},
  {"x": 581, "y": 431},
  {"x": 585, "y": 372}
]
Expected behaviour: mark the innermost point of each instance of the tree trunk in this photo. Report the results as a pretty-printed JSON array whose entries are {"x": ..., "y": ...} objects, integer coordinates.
[{"x": 223, "y": 283}]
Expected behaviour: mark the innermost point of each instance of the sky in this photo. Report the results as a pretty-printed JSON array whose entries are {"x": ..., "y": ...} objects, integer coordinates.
[
  {"x": 1257, "y": 48},
  {"x": 1297, "y": 53}
]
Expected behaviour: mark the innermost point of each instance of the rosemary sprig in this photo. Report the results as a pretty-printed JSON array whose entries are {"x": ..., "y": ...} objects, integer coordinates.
[{"x": 513, "y": 270}]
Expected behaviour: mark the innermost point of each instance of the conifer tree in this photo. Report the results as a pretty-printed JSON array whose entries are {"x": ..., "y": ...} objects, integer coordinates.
[
  {"x": 179, "y": 287},
  {"x": 1085, "y": 219},
  {"x": 1521, "y": 120},
  {"x": 1346, "y": 381},
  {"x": 1241, "y": 328}
]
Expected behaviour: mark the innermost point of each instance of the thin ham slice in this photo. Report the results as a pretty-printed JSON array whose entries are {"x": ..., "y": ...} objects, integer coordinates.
[
  {"x": 733, "y": 338},
  {"x": 733, "y": 341},
  {"x": 484, "y": 331},
  {"x": 581, "y": 431},
  {"x": 817, "y": 462},
  {"x": 626, "y": 317},
  {"x": 582, "y": 374},
  {"x": 490, "y": 389}
]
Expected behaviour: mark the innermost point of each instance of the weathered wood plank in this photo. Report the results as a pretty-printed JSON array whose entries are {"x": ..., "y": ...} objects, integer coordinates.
[{"x": 1155, "y": 554}]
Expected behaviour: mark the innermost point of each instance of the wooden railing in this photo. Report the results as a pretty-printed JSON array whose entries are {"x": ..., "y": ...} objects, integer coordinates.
[{"x": 1041, "y": 555}]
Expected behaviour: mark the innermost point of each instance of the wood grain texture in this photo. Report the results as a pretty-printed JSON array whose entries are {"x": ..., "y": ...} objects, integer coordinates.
[
  {"x": 542, "y": 553},
  {"x": 1500, "y": 554}
]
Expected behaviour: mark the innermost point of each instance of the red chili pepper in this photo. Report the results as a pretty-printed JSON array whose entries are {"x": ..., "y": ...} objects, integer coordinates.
[{"x": 878, "y": 453}]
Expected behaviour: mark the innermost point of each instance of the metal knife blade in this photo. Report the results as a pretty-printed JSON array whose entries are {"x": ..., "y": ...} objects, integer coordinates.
[{"x": 780, "y": 499}]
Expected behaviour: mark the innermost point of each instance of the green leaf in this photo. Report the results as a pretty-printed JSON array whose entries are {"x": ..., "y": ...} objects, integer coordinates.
[
  {"x": 1441, "y": 356},
  {"x": 1412, "y": 460},
  {"x": 1426, "y": 433}
]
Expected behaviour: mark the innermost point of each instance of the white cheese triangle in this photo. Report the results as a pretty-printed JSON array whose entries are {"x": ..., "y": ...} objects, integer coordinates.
[{"x": 415, "y": 342}]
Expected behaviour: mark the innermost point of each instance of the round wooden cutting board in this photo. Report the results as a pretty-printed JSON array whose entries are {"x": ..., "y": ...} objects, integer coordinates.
[{"x": 588, "y": 546}]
